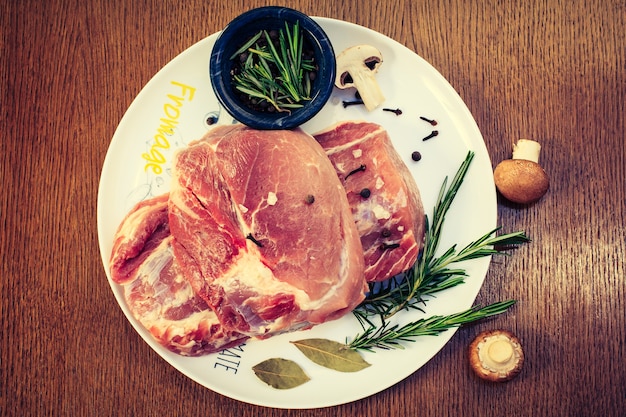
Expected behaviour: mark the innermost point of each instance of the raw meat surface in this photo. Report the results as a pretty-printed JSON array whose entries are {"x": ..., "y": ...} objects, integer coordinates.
[
  {"x": 156, "y": 292},
  {"x": 383, "y": 196},
  {"x": 263, "y": 230}
]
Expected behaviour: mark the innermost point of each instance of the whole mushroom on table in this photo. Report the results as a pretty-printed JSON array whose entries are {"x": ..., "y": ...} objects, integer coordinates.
[
  {"x": 496, "y": 355},
  {"x": 521, "y": 179}
]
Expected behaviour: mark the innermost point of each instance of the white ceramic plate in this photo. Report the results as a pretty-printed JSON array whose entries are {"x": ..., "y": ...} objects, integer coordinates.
[{"x": 172, "y": 110}]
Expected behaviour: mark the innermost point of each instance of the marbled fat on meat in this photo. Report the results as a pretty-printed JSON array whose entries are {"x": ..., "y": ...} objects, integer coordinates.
[
  {"x": 263, "y": 230},
  {"x": 389, "y": 215},
  {"x": 156, "y": 292}
]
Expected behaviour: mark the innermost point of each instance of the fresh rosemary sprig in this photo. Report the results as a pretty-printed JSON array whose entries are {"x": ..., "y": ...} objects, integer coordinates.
[
  {"x": 432, "y": 274},
  {"x": 410, "y": 289},
  {"x": 429, "y": 275},
  {"x": 391, "y": 337},
  {"x": 277, "y": 74}
]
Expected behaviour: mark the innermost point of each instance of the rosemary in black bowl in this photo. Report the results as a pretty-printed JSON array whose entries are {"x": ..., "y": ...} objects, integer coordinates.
[{"x": 274, "y": 70}]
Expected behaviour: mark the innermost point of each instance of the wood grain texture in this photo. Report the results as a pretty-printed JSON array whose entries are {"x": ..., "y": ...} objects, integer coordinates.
[{"x": 549, "y": 70}]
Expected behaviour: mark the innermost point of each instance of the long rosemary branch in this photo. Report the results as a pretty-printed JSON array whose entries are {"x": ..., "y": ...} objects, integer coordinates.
[
  {"x": 432, "y": 274},
  {"x": 391, "y": 337},
  {"x": 429, "y": 275}
]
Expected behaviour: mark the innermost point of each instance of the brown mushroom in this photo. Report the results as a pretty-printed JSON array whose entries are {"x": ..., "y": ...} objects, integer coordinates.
[
  {"x": 356, "y": 67},
  {"x": 496, "y": 355},
  {"x": 521, "y": 179}
]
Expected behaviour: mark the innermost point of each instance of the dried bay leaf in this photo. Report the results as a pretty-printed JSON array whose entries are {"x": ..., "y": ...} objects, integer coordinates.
[
  {"x": 331, "y": 354},
  {"x": 280, "y": 373}
]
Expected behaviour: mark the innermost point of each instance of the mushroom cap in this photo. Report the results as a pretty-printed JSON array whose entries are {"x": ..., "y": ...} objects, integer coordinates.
[
  {"x": 496, "y": 355},
  {"x": 521, "y": 181},
  {"x": 356, "y": 57}
]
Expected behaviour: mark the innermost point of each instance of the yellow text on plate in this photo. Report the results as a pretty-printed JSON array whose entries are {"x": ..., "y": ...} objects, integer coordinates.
[{"x": 171, "y": 114}]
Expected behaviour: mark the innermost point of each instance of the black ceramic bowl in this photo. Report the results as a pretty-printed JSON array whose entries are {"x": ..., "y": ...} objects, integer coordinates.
[{"x": 241, "y": 29}]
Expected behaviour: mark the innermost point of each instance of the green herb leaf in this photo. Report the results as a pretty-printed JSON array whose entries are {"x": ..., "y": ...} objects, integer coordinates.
[
  {"x": 391, "y": 337},
  {"x": 247, "y": 45},
  {"x": 280, "y": 373},
  {"x": 332, "y": 355}
]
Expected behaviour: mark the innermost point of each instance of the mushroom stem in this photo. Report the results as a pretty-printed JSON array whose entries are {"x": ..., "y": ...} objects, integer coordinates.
[
  {"x": 526, "y": 149},
  {"x": 500, "y": 351},
  {"x": 368, "y": 89}
]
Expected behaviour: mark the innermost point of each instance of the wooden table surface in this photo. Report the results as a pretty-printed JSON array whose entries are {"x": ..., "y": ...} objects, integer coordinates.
[{"x": 549, "y": 70}]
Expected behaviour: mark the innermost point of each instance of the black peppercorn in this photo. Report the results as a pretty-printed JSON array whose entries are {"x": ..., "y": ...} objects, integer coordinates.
[{"x": 365, "y": 193}]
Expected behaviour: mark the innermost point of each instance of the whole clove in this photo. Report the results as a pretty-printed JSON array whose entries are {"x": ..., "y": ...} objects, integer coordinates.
[
  {"x": 387, "y": 246},
  {"x": 398, "y": 112},
  {"x": 351, "y": 103},
  {"x": 256, "y": 242},
  {"x": 432, "y": 135},
  {"x": 354, "y": 171},
  {"x": 432, "y": 122}
]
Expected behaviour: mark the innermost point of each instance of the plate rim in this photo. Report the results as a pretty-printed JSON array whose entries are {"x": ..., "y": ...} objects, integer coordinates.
[{"x": 126, "y": 119}]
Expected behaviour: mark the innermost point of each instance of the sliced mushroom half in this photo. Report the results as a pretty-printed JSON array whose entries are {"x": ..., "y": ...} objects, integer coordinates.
[{"x": 356, "y": 67}]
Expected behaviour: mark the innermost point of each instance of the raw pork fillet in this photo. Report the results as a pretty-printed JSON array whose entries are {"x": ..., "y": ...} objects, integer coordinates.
[
  {"x": 263, "y": 230},
  {"x": 156, "y": 293},
  {"x": 383, "y": 196}
]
